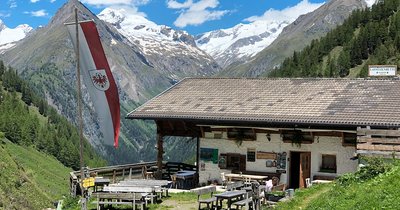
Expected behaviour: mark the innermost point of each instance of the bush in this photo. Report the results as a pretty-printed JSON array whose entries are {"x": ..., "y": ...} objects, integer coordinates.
[{"x": 373, "y": 168}]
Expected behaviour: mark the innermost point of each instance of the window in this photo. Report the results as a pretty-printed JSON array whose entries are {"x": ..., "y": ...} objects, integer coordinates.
[
  {"x": 233, "y": 161},
  {"x": 241, "y": 134},
  {"x": 349, "y": 139},
  {"x": 328, "y": 164},
  {"x": 298, "y": 137},
  {"x": 251, "y": 155}
]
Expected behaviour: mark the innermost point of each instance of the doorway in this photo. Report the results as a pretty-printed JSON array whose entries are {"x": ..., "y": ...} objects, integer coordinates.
[{"x": 300, "y": 169}]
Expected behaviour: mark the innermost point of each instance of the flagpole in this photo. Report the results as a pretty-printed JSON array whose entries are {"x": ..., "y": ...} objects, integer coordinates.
[{"x": 78, "y": 82}]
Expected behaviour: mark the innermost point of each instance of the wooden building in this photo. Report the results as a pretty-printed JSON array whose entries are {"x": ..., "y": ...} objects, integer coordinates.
[{"x": 292, "y": 128}]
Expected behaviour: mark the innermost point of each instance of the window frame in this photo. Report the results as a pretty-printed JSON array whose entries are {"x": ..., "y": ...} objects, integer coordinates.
[{"x": 325, "y": 169}]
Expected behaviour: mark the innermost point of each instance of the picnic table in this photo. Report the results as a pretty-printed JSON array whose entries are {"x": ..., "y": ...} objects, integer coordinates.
[
  {"x": 118, "y": 198},
  {"x": 247, "y": 177},
  {"x": 229, "y": 195},
  {"x": 100, "y": 182},
  {"x": 186, "y": 179}
]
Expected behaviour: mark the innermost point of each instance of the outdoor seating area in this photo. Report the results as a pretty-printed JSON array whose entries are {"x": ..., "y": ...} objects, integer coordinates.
[
  {"x": 133, "y": 192},
  {"x": 238, "y": 195}
]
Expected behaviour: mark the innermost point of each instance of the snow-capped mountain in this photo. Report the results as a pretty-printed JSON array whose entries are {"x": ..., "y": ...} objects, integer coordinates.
[
  {"x": 243, "y": 41},
  {"x": 150, "y": 37},
  {"x": 8, "y": 36}
]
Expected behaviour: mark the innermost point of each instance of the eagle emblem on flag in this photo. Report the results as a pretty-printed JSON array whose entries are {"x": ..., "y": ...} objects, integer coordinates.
[{"x": 100, "y": 79}]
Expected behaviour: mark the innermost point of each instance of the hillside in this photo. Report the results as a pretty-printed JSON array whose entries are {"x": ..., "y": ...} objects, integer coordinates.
[
  {"x": 30, "y": 179},
  {"x": 38, "y": 147},
  {"x": 374, "y": 186},
  {"x": 368, "y": 36},
  {"x": 244, "y": 40},
  {"x": 46, "y": 59},
  {"x": 295, "y": 37}
]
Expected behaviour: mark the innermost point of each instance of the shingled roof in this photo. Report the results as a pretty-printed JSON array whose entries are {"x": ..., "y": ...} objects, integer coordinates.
[{"x": 356, "y": 102}]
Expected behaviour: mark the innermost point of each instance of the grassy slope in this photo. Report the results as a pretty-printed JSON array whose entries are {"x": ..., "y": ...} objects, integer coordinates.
[
  {"x": 380, "y": 192},
  {"x": 30, "y": 179}
]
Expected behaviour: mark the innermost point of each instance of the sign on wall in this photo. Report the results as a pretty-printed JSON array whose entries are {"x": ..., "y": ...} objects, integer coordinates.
[
  {"x": 382, "y": 70},
  {"x": 281, "y": 161},
  {"x": 209, "y": 154},
  {"x": 266, "y": 155}
]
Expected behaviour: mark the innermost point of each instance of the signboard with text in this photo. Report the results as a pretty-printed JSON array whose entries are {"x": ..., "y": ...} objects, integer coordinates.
[{"x": 382, "y": 70}]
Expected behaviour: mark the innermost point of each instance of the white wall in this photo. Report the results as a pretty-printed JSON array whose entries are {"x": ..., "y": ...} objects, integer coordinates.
[{"x": 321, "y": 145}]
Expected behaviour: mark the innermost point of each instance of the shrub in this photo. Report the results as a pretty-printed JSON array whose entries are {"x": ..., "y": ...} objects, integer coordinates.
[{"x": 373, "y": 168}]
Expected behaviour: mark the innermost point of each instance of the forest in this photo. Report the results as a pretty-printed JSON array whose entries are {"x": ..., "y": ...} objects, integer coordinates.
[
  {"x": 27, "y": 119},
  {"x": 368, "y": 37}
]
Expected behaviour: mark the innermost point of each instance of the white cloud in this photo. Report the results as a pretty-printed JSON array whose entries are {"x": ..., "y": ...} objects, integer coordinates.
[
  {"x": 4, "y": 14},
  {"x": 34, "y": 1},
  {"x": 176, "y": 5},
  {"x": 196, "y": 13},
  {"x": 52, "y": 1},
  {"x": 289, "y": 13},
  {"x": 39, "y": 13},
  {"x": 12, "y": 4}
]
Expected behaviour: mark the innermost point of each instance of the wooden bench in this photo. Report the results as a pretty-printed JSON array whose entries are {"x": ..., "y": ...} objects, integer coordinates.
[
  {"x": 205, "y": 190},
  {"x": 118, "y": 199},
  {"x": 246, "y": 202},
  {"x": 234, "y": 185}
]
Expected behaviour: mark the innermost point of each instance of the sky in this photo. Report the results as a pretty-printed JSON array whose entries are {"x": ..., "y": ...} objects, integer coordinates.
[{"x": 194, "y": 16}]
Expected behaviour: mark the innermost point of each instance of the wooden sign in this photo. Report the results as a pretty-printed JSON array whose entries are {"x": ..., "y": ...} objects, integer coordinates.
[{"x": 266, "y": 155}]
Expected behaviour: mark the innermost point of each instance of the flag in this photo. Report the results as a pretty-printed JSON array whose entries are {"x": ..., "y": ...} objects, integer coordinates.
[{"x": 98, "y": 79}]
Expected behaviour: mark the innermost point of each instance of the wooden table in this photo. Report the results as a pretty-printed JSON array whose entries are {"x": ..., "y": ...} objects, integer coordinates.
[
  {"x": 100, "y": 182},
  {"x": 186, "y": 179},
  {"x": 244, "y": 176},
  {"x": 229, "y": 195}
]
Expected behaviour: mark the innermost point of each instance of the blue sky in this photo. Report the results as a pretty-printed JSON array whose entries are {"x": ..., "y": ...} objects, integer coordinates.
[{"x": 194, "y": 16}]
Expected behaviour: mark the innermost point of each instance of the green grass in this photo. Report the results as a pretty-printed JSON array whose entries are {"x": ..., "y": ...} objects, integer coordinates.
[
  {"x": 30, "y": 179},
  {"x": 183, "y": 200},
  {"x": 380, "y": 192}
]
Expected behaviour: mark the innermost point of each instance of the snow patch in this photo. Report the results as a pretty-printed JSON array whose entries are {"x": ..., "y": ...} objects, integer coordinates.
[{"x": 8, "y": 35}]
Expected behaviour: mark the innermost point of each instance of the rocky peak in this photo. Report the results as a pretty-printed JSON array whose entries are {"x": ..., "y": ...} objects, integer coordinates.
[
  {"x": 138, "y": 27},
  {"x": 2, "y": 26}
]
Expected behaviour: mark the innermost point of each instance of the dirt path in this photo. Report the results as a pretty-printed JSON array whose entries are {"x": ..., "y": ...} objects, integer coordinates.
[{"x": 308, "y": 199}]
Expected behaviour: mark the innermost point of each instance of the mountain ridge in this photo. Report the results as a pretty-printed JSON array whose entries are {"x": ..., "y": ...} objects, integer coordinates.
[
  {"x": 295, "y": 37},
  {"x": 8, "y": 36},
  {"x": 245, "y": 40},
  {"x": 46, "y": 58}
]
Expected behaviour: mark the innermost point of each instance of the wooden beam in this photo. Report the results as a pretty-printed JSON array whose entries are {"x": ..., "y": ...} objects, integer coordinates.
[
  {"x": 378, "y": 147},
  {"x": 202, "y": 132},
  {"x": 198, "y": 155},
  {"x": 376, "y": 132},
  {"x": 384, "y": 154},
  {"x": 363, "y": 139},
  {"x": 184, "y": 126},
  {"x": 159, "y": 156}
]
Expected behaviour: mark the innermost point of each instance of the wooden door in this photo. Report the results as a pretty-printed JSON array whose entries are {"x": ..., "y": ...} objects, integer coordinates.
[{"x": 305, "y": 168}]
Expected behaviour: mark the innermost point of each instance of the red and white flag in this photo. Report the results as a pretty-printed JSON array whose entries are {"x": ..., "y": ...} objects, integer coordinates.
[{"x": 98, "y": 79}]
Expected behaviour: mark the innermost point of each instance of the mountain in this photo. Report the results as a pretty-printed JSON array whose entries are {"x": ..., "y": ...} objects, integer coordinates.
[
  {"x": 8, "y": 36},
  {"x": 243, "y": 41},
  {"x": 296, "y": 36},
  {"x": 46, "y": 58},
  {"x": 367, "y": 37},
  {"x": 156, "y": 41}
]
